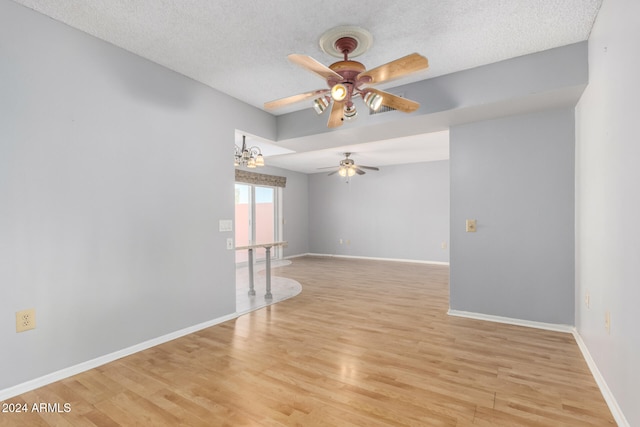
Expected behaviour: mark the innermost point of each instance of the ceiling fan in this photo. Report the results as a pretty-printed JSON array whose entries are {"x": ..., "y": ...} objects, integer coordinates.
[
  {"x": 348, "y": 167},
  {"x": 349, "y": 79}
]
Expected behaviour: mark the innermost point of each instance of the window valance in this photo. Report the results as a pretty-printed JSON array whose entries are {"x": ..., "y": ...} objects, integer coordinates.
[{"x": 260, "y": 178}]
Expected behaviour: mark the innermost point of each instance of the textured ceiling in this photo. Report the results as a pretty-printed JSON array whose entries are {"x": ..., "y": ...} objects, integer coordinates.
[{"x": 240, "y": 47}]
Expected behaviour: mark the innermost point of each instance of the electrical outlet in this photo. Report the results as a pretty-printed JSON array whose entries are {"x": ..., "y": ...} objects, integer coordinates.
[
  {"x": 25, "y": 320},
  {"x": 443, "y": 245},
  {"x": 607, "y": 322}
]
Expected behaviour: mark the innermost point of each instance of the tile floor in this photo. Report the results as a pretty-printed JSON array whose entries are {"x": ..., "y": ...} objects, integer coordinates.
[{"x": 281, "y": 288}]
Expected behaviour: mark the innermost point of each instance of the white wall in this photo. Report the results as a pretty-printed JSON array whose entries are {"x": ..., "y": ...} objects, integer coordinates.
[
  {"x": 399, "y": 212},
  {"x": 608, "y": 202},
  {"x": 114, "y": 173}
]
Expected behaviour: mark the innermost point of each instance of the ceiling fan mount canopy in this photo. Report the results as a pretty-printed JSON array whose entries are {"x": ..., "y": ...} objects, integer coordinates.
[
  {"x": 348, "y": 79},
  {"x": 334, "y": 41},
  {"x": 346, "y": 45}
]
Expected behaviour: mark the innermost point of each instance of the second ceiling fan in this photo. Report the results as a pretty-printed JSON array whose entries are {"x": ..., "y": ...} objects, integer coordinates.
[
  {"x": 349, "y": 79},
  {"x": 348, "y": 167}
]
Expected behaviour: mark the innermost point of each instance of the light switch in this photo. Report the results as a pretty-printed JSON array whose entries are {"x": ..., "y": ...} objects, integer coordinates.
[
  {"x": 471, "y": 226},
  {"x": 225, "y": 225}
]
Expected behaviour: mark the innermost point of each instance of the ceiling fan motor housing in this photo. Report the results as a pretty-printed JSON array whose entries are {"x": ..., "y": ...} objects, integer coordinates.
[
  {"x": 349, "y": 70},
  {"x": 346, "y": 162}
]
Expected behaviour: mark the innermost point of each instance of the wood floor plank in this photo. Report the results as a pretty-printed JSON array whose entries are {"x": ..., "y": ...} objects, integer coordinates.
[{"x": 364, "y": 343}]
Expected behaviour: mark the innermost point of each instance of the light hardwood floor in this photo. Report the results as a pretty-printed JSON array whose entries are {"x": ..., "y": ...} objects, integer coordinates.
[{"x": 366, "y": 343}]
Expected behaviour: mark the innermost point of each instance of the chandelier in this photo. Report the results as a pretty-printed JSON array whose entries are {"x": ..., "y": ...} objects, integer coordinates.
[{"x": 249, "y": 157}]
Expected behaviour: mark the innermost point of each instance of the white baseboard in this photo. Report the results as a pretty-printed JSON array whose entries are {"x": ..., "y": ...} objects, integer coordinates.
[
  {"x": 98, "y": 361},
  {"x": 602, "y": 384},
  {"x": 510, "y": 321},
  {"x": 415, "y": 261},
  {"x": 296, "y": 256}
]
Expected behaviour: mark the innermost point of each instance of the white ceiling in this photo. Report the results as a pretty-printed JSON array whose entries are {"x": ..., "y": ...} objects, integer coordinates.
[{"x": 240, "y": 47}]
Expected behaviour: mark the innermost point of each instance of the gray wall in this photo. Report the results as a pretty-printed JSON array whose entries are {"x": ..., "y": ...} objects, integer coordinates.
[
  {"x": 608, "y": 203},
  {"x": 399, "y": 212},
  {"x": 114, "y": 173},
  {"x": 515, "y": 176}
]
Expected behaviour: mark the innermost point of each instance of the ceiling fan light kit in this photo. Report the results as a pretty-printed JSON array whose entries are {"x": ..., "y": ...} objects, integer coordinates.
[
  {"x": 339, "y": 92},
  {"x": 346, "y": 172},
  {"x": 320, "y": 104},
  {"x": 348, "y": 79},
  {"x": 350, "y": 112},
  {"x": 373, "y": 100}
]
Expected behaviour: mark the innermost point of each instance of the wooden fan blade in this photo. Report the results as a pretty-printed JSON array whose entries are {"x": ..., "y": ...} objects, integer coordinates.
[
  {"x": 396, "y": 69},
  {"x": 332, "y": 173},
  {"x": 278, "y": 103},
  {"x": 369, "y": 167},
  {"x": 337, "y": 114},
  {"x": 396, "y": 102},
  {"x": 317, "y": 68},
  {"x": 358, "y": 170}
]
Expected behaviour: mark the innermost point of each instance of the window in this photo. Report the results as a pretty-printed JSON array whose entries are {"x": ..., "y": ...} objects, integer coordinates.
[{"x": 256, "y": 218}]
